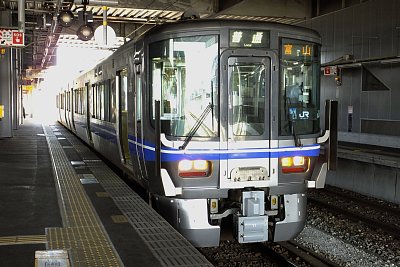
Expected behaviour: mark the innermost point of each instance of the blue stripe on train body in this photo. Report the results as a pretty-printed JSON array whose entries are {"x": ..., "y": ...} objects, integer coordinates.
[{"x": 172, "y": 154}]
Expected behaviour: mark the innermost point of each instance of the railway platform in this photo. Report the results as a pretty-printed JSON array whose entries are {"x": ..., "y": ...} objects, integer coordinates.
[
  {"x": 368, "y": 170},
  {"x": 58, "y": 196}
]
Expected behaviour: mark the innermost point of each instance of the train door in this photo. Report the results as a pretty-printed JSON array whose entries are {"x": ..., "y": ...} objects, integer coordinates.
[
  {"x": 247, "y": 131},
  {"x": 122, "y": 121},
  {"x": 73, "y": 108},
  {"x": 65, "y": 106},
  {"x": 88, "y": 113},
  {"x": 138, "y": 113},
  {"x": 69, "y": 109}
]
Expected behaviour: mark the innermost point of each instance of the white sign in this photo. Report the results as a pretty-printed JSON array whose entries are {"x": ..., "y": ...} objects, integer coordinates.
[
  {"x": 350, "y": 109},
  {"x": 10, "y": 37}
]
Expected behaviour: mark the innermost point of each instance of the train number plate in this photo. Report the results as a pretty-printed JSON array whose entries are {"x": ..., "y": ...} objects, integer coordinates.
[{"x": 245, "y": 174}]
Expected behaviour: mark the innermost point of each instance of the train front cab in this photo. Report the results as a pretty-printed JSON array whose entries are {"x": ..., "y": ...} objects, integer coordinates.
[{"x": 232, "y": 142}]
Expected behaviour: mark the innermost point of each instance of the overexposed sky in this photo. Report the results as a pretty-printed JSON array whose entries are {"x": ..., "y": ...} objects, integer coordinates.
[{"x": 71, "y": 62}]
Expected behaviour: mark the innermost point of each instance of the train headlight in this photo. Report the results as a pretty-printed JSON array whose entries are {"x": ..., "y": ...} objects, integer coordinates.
[
  {"x": 298, "y": 161},
  {"x": 194, "y": 168},
  {"x": 295, "y": 164}
]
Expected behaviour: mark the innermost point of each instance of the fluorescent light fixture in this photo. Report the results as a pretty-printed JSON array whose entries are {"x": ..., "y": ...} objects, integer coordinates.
[
  {"x": 85, "y": 32},
  {"x": 65, "y": 18}
]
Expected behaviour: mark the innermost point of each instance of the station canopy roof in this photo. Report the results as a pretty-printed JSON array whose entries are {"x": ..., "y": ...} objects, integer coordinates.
[{"x": 128, "y": 18}]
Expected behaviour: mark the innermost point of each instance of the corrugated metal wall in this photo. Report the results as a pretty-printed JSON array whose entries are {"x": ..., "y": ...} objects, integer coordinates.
[{"x": 367, "y": 31}]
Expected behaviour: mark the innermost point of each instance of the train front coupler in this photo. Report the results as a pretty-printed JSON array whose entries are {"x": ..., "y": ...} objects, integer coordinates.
[{"x": 250, "y": 222}]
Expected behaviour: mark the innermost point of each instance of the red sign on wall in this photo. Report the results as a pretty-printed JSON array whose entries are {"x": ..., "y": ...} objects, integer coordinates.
[
  {"x": 327, "y": 71},
  {"x": 18, "y": 38},
  {"x": 330, "y": 70}
]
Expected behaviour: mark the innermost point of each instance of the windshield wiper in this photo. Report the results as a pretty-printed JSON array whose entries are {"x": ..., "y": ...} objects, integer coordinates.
[
  {"x": 196, "y": 126},
  {"x": 297, "y": 141}
]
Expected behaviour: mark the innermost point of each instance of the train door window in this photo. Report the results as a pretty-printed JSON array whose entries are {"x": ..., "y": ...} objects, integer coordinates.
[
  {"x": 113, "y": 101},
  {"x": 124, "y": 90},
  {"x": 83, "y": 103},
  {"x": 102, "y": 97},
  {"x": 100, "y": 101},
  {"x": 68, "y": 108},
  {"x": 93, "y": 101},
  {"x": 106, "y": 100},
  {"x": 76, "y": 101},
  {"x": 138, "y": 97},
  {"x": 81, "y": 99},
  {"x": 96, "y": 101},
  {"x": 247, "y": 82},
  {"x": 182, "y": 74}
]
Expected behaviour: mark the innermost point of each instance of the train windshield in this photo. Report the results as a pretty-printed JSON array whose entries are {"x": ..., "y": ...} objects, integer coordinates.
[
  {"x": 184, "y": 77},
  {"x": 299, "y": 87}
]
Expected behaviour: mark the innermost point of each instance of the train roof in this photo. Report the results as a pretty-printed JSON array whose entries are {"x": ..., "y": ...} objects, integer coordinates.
[
  {"x": 214, "y": 24},
  {"x": 210, "y": 24}
]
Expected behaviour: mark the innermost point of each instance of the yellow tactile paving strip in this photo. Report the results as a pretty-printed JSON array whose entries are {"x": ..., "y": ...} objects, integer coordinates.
[
  {"x": 163, "y": 240},
  {"x": 83, "y": 234}
]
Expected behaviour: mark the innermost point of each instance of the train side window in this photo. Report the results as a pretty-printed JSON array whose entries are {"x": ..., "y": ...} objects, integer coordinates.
[
  {"x": 185, "y": 94},
  {"x": 299, "y": 87}
]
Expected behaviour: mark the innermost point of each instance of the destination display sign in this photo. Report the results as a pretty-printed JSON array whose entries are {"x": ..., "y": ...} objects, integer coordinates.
[{"x": 248, "y": 38}]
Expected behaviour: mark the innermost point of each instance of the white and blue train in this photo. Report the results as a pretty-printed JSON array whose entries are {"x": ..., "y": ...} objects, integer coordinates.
[{"x": 219, "y": 121}]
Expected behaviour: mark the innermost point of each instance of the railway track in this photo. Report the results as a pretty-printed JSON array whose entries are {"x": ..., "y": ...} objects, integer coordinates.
[
  {"x": 298, "y": 255},
  {"x": 371, "y": 214},
  {"x": 365, "y": 200},
  {"x": 289, "y": 254}
]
